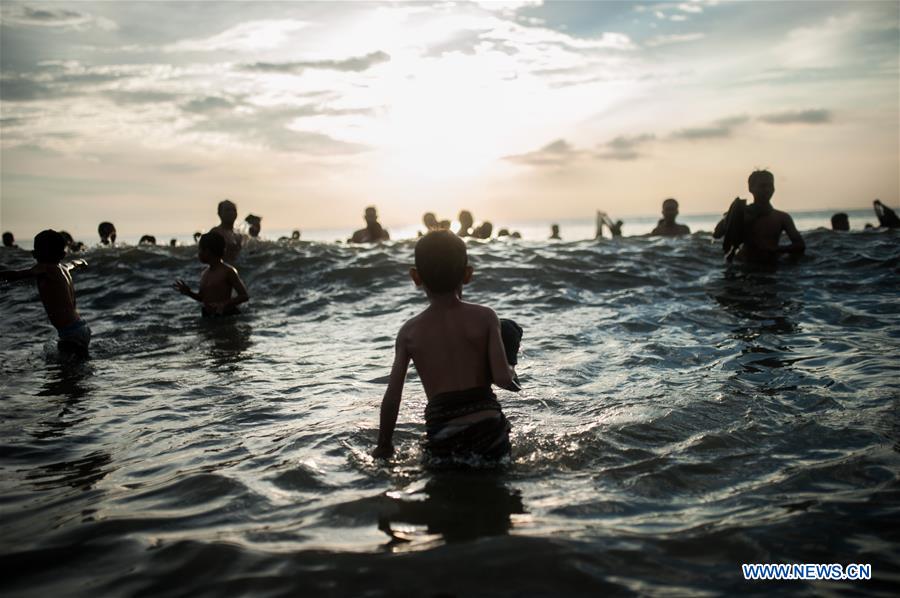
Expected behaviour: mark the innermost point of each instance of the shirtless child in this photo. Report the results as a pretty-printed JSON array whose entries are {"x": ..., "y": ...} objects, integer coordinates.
[
  {"x": 233, "y": 240},
  {"x": 763, "y": 224},
  {"x": 218, "y": 282},
  {"x": 54, "y": 283},
  {"x": 458, "y": 350}
]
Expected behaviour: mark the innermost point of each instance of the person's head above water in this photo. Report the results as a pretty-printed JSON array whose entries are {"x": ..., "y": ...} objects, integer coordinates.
[
  {"x": 107, "y": 233},
  {"x": 430, "y": 221},
  {"x": 8, "y": 239},
  {"x": 49, "y": 247},
  {"x": 295, "y": 236},
  {"x": 147, "y": 240},
  {"x": 761, "y": 184},
  {"x": 371, "y": 215},
  {"x": 670, "y": 209},
  {"x": 465, "y": 220},
  {"x": 255, "y": 223},
  {"x": 211, "y": 248},
  {"x": 442, "y": 264},
  {"x": 840, "y": 221},
  {"x": 227, "y": 212}
]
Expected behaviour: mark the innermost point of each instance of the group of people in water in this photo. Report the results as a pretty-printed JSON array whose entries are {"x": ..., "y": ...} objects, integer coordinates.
[{"x": 459, "y": 349}]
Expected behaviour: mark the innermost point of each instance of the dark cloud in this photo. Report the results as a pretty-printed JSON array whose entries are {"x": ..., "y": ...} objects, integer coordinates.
[
  {"x": 46, "y": 15},
  {"x": 208, "y": 104},
  {"x": 54, "y": 17},
  {"x": 53, "y": 81},
  {"x": 557, "y": 153},
  {"x": 623, "y": 148},
  {"x": 356, "y": 64},
  {"x": 717, "y": 130},
  {"x": 140, "y": 97},
  {"x": 24, "y": 89},
  {"x": 810, "y": 117}
]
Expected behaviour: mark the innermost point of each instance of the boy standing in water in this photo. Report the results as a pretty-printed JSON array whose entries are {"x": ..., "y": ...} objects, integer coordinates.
[
  {"x": 54, "y": 283},
  {"x": 218, "y": 282},
  {"x": 459, "y": 351},
  {"x": 763, "y": 224}
]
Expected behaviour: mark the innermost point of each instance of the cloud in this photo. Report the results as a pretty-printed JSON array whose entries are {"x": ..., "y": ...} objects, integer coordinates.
[
  {"x": 718, "y": 129},
  {"x": 208, "y": 104},
  {"x": 665, "y": 40},
  {"x": 251, "y": 36},
  {"x": 26, "y": 16},
  {"x": 810, "y": 117},
  {"x": 557, "y": 153},
  {"x": 623, "y": 148},
  {"x": 355, "y": 64}
]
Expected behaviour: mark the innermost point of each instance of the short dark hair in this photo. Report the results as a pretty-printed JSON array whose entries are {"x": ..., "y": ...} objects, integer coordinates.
[
  {"x": 213, "y": 243},
  {"x": 49, "y": 246},
  {"x": 105, "y": 229},
  {"x": 441, "y": 260},
  {"x": 840, "y": 221},
  {"x": 224, "y": 204},
  {"x": 8, "y": 238},
  {"x": 756, "y": 175}
]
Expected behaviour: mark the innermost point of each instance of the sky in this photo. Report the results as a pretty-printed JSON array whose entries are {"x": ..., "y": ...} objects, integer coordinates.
[{"x": 149, "y": 113}]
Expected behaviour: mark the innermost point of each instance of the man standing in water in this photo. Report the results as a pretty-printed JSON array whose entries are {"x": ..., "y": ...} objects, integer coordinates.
[
  {"x": 758, "y": 227},
  {"x": 373, "y": 231},
  {"x": 667, "y": 227},
  {"x": 227, "y": 215}
]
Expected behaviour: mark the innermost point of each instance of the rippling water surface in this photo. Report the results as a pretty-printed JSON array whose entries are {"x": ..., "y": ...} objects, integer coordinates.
[{"x": 679, "y": 417}]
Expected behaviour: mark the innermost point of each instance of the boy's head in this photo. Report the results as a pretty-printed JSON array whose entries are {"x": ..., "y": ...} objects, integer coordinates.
[
  {"x": 211, "y": 247},
  {"x": 840, "y": 221},
  {"x": 227, "y": 212},
  {"x": 761, "y": 184},
  {"x": 49, "y": 247},
  {"x": 670, "y": 209},
  {"x": 107, "y": 233},
  {"x": 442, "y": 264},
  {"x": 8, "y": 239}
]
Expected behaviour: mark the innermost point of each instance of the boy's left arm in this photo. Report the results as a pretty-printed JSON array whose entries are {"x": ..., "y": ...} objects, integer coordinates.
[
  {"x": 390, "y": 404},
  {"x": 238, "y": 285},
  {"x": 797, "y": 244}
]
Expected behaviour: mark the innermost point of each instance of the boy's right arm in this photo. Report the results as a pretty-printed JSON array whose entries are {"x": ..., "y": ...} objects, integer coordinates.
[{"x": 390, "y": 404}]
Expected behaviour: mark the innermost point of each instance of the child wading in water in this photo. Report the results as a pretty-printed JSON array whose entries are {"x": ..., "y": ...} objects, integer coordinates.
[
  {"x": 218, "y": 282},
  {"x": 54, "y": 283},
  {"x": 459, "y": 351}
]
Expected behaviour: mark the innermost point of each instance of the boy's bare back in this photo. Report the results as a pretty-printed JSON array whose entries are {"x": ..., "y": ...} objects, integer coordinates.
[
  {"x": 54, "y": 283},
  {"x": 217, "y": 284},
  {"x": 454, "y": 345},
  {"x": 765, "y": 233}
]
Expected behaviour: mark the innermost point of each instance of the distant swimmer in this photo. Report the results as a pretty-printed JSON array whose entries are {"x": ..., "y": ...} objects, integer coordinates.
[
  {"x": 373, "y": 233},
  {"x": 54, "y": 283},
  {"x": 615, "y": 228},
  {"x": 147, "y": 240},
  {"x": 255, "y": 225},
  {"x": 197, "y": 236},
  {"x": 503, "y": 232},
  {"x": 886, "y": 216},
  {"x": 221, "y": 288},
  {"x": 756, "y": 229},
  {"x": 227, "y": 212},
  {"x": 554, "y": 232},
  {"x": 667, "y": 227},
  {"x": 840, "y": 222},
  {"x": 459, "y": 350},
  {"x": 465, "y": 223},
  {"x": 71, "y": 244},
  {"x": 484, "y": 230},
  {"x": 173, "y": 242},
  {"x": 295, "y": 235},
  {"x": 9, "y": 241},
  {"x": 107, "y": 233},
  {"x": 430, "y": 221}
]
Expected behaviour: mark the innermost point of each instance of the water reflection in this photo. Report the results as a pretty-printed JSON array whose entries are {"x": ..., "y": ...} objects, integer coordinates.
[
  {"x": 452, "y": 506},
  {"x": 225, "y": 340}
]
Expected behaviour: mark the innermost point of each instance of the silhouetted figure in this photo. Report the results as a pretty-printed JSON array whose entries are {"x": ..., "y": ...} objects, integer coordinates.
[
  {"x": 615, "y": 228},
  {"x": 54, "y": 283},
  {"x": 72, "y": 245},
  {"x": 373, "y": 232},
  {"x": 465, "y": 223},
  {"x": 255, "y": 225},
  {"x": 554, "y": 232},
  {"x": 444, "y": 225},
  {"x": 484, "y": 231},
  {"x": 516, "y": 235},
  {"x": 503, "y": 232},
  {"x": 756, "y": 229},
  {"x": 667, "y": 227},
  {"x": 430, "y": 221},
  {"x": 147, "y": 240},
  {"x": 107, "y": 233},
  {"x": 840, "y": 221},
  {"x": 295, "y": 236},
  {"x": 197, "y": 236},
  {"x": 227, "y": 212},
  {"x": 459, "y": 351},
  {"x": 9, "y": 240},
  {"x": 173, "y": 242},
  {"x": 886, "y": 216},
  {"x": 221, "y": 289}
]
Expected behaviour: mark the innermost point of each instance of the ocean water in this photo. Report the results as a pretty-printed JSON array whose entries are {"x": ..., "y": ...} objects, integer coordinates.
[{"x": 679, "y": 417}]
